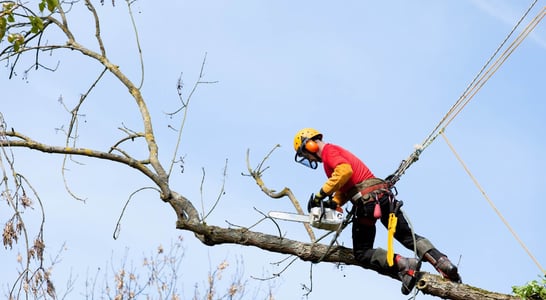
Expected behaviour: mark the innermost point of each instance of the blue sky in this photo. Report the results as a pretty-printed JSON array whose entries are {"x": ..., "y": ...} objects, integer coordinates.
[{"x": 375, "y": 78}]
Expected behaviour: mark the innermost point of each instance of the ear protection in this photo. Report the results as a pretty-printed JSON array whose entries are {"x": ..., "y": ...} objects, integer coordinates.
[{"x": 311, "y": 145}]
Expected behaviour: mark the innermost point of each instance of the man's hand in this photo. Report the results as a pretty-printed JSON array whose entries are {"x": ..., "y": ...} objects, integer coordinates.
[
  {"x": 317, "y": 200},
  {"x": 330, "y": 204}
]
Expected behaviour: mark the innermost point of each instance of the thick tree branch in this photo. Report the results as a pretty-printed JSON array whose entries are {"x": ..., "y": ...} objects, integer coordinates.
[
  {"x": 427, "y": 283},
  {"x": 188, "y": 219},
  {"x": 437, "y": 286}
]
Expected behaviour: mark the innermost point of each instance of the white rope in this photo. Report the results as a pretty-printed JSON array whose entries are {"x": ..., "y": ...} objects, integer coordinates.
[
  {"x": 492, "y": 204},
  {"x": 477, "y": 83}
]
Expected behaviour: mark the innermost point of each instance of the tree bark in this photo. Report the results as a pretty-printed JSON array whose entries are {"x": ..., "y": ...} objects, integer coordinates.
[{"x": 437, "y": 286}]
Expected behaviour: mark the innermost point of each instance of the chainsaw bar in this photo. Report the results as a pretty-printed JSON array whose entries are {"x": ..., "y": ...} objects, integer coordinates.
[
  {"x": 327, "y": 219},
  {"x": 289, "y": 216}
]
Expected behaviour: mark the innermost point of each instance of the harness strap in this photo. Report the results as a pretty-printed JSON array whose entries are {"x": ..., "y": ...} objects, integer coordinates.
[
  {"x": 368, "y": 186},
  {"x": 381, "y": 186}
]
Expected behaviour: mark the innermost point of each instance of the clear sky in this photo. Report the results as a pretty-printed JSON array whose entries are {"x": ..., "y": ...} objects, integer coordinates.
[{"x": 375, "y": 77}]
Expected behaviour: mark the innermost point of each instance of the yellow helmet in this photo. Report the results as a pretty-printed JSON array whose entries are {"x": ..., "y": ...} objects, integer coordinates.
[
  {"x": 305, "y": 134},
  {"x": 306, "y": 148}
]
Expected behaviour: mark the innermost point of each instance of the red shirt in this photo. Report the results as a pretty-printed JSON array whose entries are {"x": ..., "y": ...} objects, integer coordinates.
[{"x": 334, "y": 155}]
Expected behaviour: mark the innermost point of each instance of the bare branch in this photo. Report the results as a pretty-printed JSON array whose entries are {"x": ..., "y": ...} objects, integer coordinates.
[
  {"x": 129, "y": 7},
  {"x": 184, "y": 108},
  {"x": 26, "y": 142},
  {"x": 33, "y": 274},
  {"x": 91, "y": 8},
  {"x": 257, "y": 175},
  {"x": 117, "y": 230},
  {"x": 220, "y": 194}
]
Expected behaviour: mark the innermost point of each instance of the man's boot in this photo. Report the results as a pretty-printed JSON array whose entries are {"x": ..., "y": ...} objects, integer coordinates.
[
  {"x": 443, "y": 265},
  {"x": 406, "y": 271},
  {"x": 448, "y": 269}
]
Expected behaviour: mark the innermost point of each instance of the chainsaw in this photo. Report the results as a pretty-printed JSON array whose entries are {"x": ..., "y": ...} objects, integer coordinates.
[{"x": 319, "y": 217}]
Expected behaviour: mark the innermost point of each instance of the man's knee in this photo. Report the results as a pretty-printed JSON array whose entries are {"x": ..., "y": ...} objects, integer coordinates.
[
  {"x": 423, "y": 246},
  {"x": 372, "y": 258},
  {"x": 363, "y": 256}
]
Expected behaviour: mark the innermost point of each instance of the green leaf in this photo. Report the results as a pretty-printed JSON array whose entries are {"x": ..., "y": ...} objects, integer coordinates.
[
  {"x": 36, "y": 23},
  {"x": 52, "y": 4},
  {"x": 11, "y": 18},
  {"x": 531, "y": 290},
  {"x": 8, "y": 6},
  {"x": 3, "y": 24},
  {"x": 17, "y": 40},
  {"x": 42, "y": 5}
]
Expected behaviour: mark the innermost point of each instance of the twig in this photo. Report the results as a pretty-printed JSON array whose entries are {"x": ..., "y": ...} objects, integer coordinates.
[
  {"x": 220, "y": 194},
  {"x": 184, "y": 107},
  {"x": 117, "y": 230}
]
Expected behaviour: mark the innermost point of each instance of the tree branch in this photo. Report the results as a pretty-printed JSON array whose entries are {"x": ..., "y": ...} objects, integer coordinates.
[
  {"x": 257, "y": 175},
  {"x": 427, "y": 283},
  {"x": 439, "y": 287},
  {"x": 26, "y": 142}
]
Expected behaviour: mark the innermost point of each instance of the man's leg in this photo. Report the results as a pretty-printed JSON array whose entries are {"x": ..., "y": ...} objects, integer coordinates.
[
  {"x": 376, "y": 259},
  {"x": 425, "y": 250}
]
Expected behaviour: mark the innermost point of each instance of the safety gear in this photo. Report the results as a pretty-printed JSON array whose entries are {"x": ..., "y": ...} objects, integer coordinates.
[
  {"x": 407, "y": 268},
  {"x": 442, "y": 264},
  {"x": 306, "y": 135},
  {"x": 369, "y": 189},
  {"x": 447, "y": 269},
  {"x": 392, "y": 179},
  {"x": 320, "y": 195},
  {"x": 314, "y": 201},
  {"x": 306, "y": 148},
  {"x": 423, "y": 246},
  {"x": 317, "y": 200},
  {"x": 306, "y": 161}
]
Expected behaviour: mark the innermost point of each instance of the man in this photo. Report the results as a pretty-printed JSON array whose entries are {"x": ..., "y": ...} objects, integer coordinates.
[{"x": 349, "y": 179}]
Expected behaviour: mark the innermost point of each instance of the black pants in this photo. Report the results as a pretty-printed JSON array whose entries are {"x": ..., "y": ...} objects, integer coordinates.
[{"x": 364, "y": 231}]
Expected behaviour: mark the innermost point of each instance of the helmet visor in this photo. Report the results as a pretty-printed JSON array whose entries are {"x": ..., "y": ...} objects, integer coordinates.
[{"x": 304, "y": 160}]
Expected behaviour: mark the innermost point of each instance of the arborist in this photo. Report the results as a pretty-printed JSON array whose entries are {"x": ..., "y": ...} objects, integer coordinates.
[{"x": 349, "y": 179}]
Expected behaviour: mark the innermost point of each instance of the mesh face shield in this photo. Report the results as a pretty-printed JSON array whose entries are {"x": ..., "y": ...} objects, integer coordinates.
[
  {"x": 305, "y": 157},
  {"x": 304, "y": 160}
]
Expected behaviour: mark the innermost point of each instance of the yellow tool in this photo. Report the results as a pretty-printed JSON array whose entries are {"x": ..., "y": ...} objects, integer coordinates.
[
  {"x": 393, "y": 220},
  {"x": 391, "y": 228}
]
